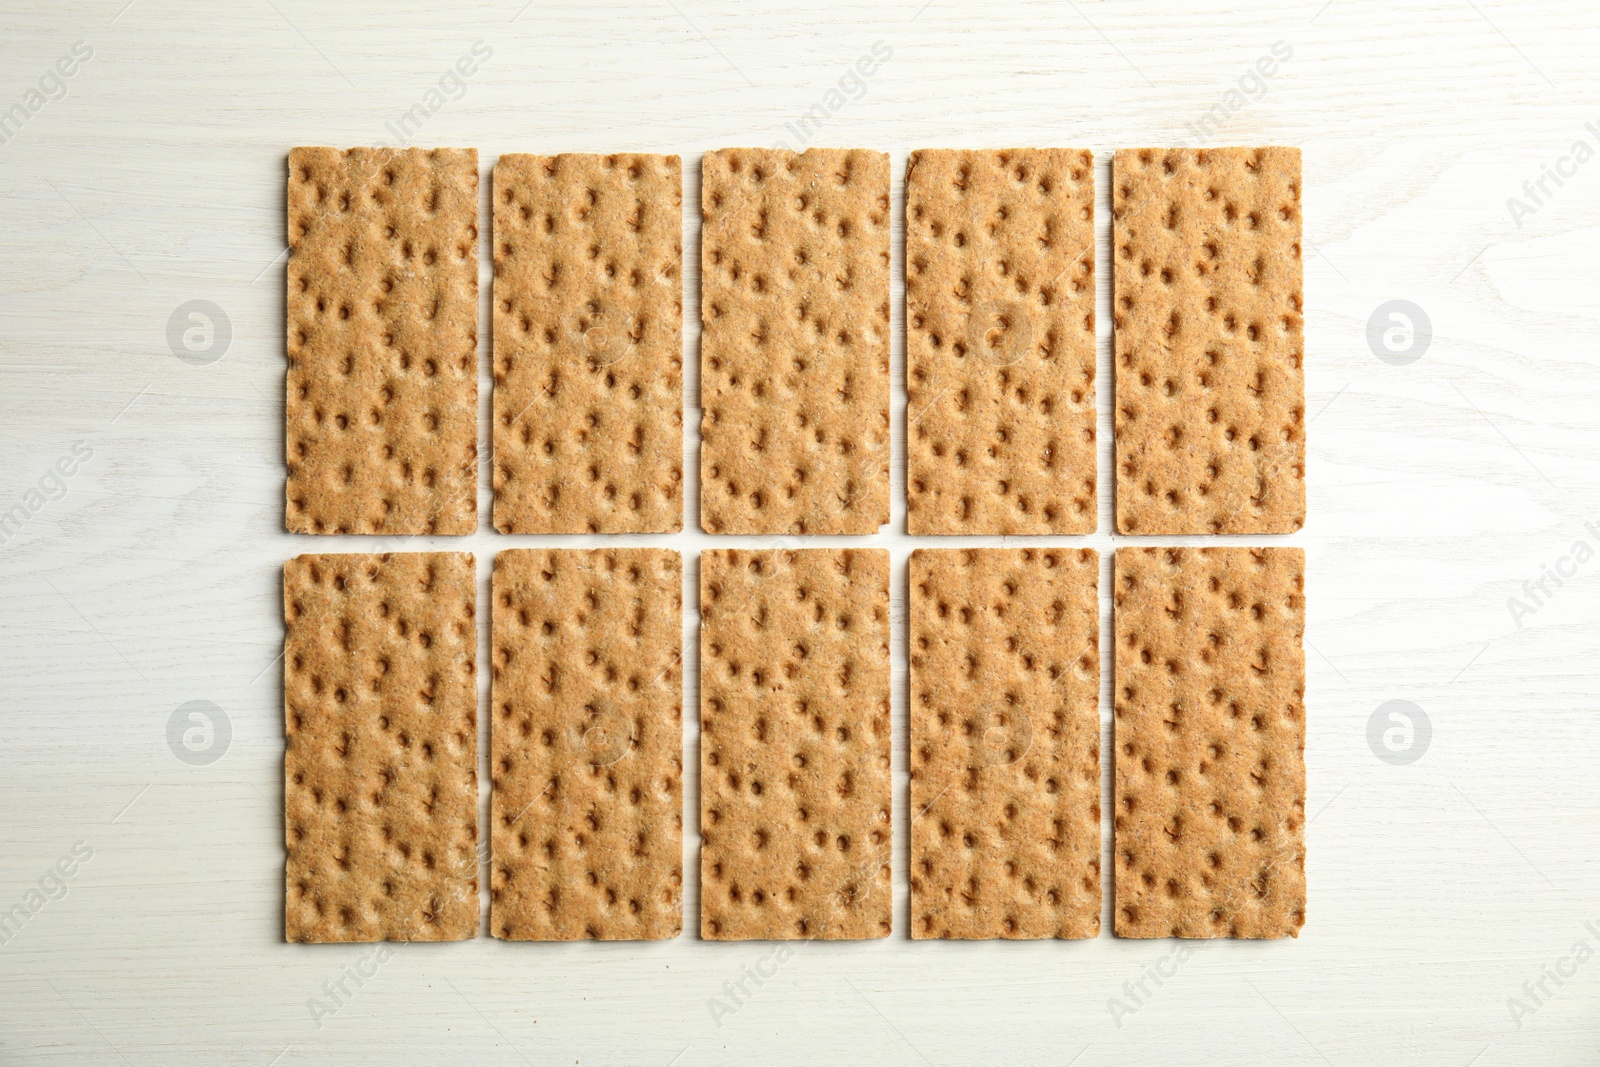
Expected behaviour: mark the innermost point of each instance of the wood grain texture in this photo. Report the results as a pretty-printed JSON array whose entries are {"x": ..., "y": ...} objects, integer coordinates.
[{"x": 154, "y": 579}]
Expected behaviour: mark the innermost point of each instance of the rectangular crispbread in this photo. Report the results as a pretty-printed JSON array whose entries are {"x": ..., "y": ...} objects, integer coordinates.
[
  {"x": 587, "y": 745},
  {"x": 1209, "y": 341},
  {"x": 1005, "y": 743},
  {"x": 588, "y": 344},
  {"x": 1000, "y": 347},
  {"x": 381, "y": 756},
  {"x": 1209, "y": 736},
  {"x": 382, "y": 402},
  {"x": 794, "y": 352},
  {"x": 794, "y": 750}
]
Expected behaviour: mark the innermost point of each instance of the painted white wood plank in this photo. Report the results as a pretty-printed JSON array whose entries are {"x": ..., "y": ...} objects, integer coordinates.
[{"x": 1439, "y": 890}]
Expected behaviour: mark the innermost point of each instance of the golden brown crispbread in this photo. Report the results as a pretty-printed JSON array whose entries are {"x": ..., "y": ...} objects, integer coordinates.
[
  {"x": 794, "y": 352},
  {"x": 1209, "y": 736},
  {"x": 794, "y": 750},
  {"x": 588, "y": 344},
  {"x": 382, "y": 404},
  {"x": 1005, "y": 743},
  {"x": 1209, "y": 341},
  {"x": 587, "y": 810},
  {"x": 1000, "y": 344},
  {"x": 381, "y": 756}
]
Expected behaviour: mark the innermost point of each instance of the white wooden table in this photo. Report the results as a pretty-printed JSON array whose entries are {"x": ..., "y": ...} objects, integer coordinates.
[{"x": 148, "y": 577}]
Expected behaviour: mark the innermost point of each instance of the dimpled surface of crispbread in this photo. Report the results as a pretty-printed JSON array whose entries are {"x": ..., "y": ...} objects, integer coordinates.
[
  {"x": 1209, "y": 341},
  {"x": 794, "y": 749},
  {"x": 1209, "y": 737},
  {"x": 794, "y": 353},
  {"x": 587, "y": 748},
  {"x": 382, "y": 307},
  {"x": 588, "y": 344},
  {"x": 1005, "y": 743},
  {"x": 1000, "y": 343},
  {"x": 381, "y": 755}
]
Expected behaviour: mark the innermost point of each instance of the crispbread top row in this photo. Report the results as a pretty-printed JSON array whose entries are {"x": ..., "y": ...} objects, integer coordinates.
[{"x": 588, "y": 404}]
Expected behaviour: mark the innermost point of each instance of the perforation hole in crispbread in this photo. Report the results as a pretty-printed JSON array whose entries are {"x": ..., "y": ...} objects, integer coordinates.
[
  {"x": 795, "y": 342},
  {"x": 1209, "y": 736},
  {"x": 1209, "y": 341},
  {"x": 588, "y": 343},
  {"x": 1005, "y": 743},
  {"x": 587, "y": 744},
  {"x": 382, "y": 309},
  {"x": 1000, "y": 356},
  {"x": 380, "y": 762},
  {"x": 795, "y": 733}
]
